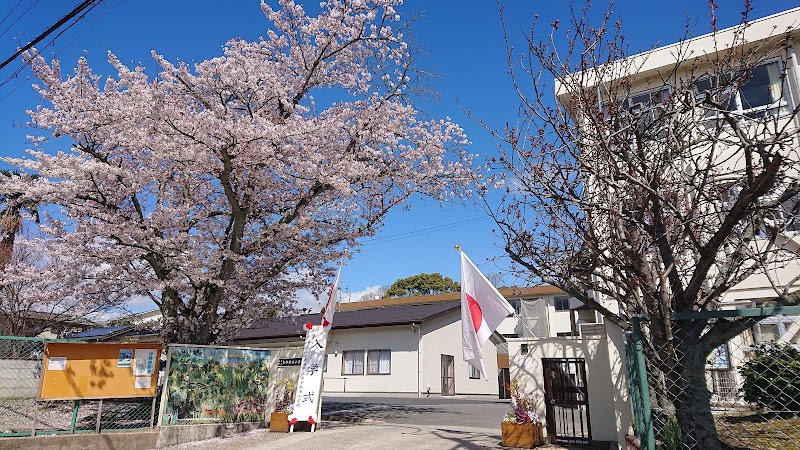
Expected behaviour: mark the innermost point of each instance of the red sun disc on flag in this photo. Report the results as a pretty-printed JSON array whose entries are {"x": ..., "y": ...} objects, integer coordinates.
[{"x": 475, "y": 312}]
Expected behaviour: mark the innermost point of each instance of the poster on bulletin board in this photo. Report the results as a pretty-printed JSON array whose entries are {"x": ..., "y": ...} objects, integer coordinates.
[{"x": 79, "y": 371}]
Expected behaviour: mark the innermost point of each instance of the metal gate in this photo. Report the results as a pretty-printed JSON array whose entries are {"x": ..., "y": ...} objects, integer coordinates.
[{"x": 566, "y": 401}]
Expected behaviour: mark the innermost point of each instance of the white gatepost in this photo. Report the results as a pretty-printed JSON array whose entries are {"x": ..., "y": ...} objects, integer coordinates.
[{"x": 308, "y": 395}]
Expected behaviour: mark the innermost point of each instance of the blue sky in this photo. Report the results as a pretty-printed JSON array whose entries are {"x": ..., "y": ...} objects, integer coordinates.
[{"x": 460, "y": 40}]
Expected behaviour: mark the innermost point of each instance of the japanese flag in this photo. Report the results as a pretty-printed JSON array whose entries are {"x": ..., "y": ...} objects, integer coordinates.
[
  {"x": 483, "y": 308},
  {"x": 333, "y": 298}
]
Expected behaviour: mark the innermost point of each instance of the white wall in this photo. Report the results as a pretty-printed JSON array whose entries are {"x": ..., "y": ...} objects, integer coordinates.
[
  {"x": 442, "y": 336},
  {"x": 438, "y": 336},
  {"x": 609, "y": 409},
  {"x": 400, "y": 339},
  {"x": 20, "y": 378}
]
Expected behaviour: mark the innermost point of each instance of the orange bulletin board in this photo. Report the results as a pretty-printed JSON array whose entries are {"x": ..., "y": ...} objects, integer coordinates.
[{"x": 76, "y": 371}]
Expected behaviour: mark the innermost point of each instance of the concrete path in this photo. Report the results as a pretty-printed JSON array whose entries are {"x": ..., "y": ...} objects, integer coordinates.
[
  {"x": 386, "y": 423},
  {"x": 382, "y": 436}
]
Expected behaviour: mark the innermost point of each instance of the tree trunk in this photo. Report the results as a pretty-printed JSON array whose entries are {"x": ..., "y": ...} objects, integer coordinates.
[
  {"x": 169, "y": 314},
  {"x": 692, "y": 397}
]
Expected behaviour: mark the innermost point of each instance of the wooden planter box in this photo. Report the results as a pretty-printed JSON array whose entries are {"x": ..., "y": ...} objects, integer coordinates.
[
  {"x": 524, "y": 435},
  {"x": 279, "y": 422}
]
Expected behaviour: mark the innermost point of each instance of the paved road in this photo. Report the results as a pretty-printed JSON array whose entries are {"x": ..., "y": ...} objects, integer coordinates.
[
  {"x": 479, "y": 412},
  {"x": 381, "y": 422}
]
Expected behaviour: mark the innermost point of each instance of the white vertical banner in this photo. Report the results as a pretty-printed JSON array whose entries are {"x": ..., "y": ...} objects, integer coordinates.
[{"x": 309, "y": 385}]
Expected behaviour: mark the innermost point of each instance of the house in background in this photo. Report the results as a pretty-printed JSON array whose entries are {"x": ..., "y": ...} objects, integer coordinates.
[
  {"x": 546, "y": 311},
  {"x": 138, "y": 327},
  {"x": 408, "y": 345},
  {"x": 119, "y": 333},
  {"x": 42, "y": 324}
]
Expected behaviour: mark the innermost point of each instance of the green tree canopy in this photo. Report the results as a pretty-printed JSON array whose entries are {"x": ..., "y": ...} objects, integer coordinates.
[{"x": 422, "y": 284}]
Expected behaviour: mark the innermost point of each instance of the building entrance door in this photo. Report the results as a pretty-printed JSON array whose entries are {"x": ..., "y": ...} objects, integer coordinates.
[
  {"x": 566, "y": 401},
  {"x": 448, "y": 375}
]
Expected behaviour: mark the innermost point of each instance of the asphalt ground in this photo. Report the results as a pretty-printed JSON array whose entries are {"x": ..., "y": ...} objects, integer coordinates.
[
  {"x": 477, "y": 411},
  {"x": 386, "y": 422}
]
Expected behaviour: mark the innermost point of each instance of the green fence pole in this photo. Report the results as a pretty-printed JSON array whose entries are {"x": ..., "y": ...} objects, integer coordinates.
[
  {"x": 74, "y": 416},
  {"x": 648, "y": 440}
]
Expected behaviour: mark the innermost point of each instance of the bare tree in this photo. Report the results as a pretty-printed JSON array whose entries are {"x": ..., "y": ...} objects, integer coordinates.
[
  {"x": 647, "y": 190},
  {"x": 374, "y": 294}
]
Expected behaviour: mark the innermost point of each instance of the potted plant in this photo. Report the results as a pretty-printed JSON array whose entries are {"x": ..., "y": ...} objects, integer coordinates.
[
  {"x": 521, "y": 427},
  {"x": 284, "y": 403}
]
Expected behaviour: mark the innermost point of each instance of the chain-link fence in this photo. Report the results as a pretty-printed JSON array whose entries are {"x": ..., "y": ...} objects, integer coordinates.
[
  {"x": 22, "y": 414},
  {"x": 726, "y": 379}
]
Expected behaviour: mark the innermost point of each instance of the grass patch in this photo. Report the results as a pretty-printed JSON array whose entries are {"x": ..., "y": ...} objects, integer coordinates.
[{"x": 754, "y": 431}]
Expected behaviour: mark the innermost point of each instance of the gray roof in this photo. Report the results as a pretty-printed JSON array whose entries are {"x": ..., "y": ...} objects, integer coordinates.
[
  {"x": 99, "y": 333},
  {"x": 362, "y": 318}
]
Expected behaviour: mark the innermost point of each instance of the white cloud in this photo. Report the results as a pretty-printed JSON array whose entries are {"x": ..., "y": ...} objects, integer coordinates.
[
  {"x": 306, "y": 299},
  {"x": 368, "y": 293}
]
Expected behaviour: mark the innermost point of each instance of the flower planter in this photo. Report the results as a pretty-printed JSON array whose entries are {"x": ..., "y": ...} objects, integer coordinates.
[
  {"x": 524, "y": 435},
  {"x": 279, "y": 422}
]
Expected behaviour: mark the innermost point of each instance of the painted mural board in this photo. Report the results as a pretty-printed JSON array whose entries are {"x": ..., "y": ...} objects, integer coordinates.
[
  {"x": 81, "y": 371},
  {"x": 216, "y": 384}
]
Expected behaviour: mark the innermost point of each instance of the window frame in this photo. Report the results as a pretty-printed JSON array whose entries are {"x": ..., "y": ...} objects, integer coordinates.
[
  {"x": 561, "y": 298},
  {"x": 369, "y": 370},
  {"x": 736, "y": 96},
  {"x": 474, "y": 372},
  {"x": 344, "y": 362}
]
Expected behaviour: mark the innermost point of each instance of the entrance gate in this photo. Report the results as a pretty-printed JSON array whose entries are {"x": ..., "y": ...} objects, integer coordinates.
[{"x": 566, "y": 401}]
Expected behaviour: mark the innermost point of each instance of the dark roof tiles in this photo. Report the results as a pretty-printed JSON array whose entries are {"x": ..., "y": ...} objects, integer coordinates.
[{"x": 362, "y": 318}]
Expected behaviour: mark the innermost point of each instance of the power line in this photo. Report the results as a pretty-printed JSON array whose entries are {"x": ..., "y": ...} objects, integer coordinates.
[
  {"x": 18, "y": 18},
  {"x": 414, "y": 233},
  {"x": 77, "y": 10},
  {"x": 17, "y": 72}
]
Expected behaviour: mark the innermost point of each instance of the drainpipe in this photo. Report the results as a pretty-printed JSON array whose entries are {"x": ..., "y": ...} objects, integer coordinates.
[
  {"x": 794, "y": 84},
  {"x": 419, "y": 343}
]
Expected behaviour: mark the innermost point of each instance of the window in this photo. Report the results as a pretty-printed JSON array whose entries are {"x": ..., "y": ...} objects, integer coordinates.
[
  {"x": 516, "y": 304},
  {"x": 325, "y": 364},
  {"x": 474, "y": 374},
  {"x": 637, "y": 102},
  {"x": 761, "y": 93},
  {"x": 786, "y": 216},
  {"x": 353, "y": 362},
  {"x": 379, "y": 362},
  {"x": 561, "y": 303}
]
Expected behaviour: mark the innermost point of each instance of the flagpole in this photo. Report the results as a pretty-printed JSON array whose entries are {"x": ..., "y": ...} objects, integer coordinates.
[{"x": 522, "y": 322}]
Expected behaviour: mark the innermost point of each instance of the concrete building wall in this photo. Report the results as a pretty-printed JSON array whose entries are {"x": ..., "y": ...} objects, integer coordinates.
[
  {"x": 20, "y": 378},
  {"x": 442, "y": 336},
  {"x": 401, "y": 340}
]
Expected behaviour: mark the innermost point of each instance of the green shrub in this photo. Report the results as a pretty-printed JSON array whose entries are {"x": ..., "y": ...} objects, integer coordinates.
[{"x": 772, "y": 378}]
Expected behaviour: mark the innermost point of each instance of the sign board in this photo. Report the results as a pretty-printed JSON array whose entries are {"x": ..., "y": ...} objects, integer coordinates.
[
  {"x": 286, "y": 362},
  {"x": 77, "y": 371},
  {"x": 309, "y": 385}
]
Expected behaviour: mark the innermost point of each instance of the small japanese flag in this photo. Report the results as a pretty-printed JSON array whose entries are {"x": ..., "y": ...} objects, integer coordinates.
[
  {"x": 483, "y": 308},
  {"x": 333, "y": 299}
]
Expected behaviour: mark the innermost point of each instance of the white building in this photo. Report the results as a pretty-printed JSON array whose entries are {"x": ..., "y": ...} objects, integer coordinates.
[{"x": 409, "y": 345}]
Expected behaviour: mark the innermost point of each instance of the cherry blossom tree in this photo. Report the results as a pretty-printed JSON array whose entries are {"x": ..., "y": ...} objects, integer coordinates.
[
  {"x": 651, "y": 192},
  {"x": 43, "y": 286},
  {"x": 221, "y": 188}
]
